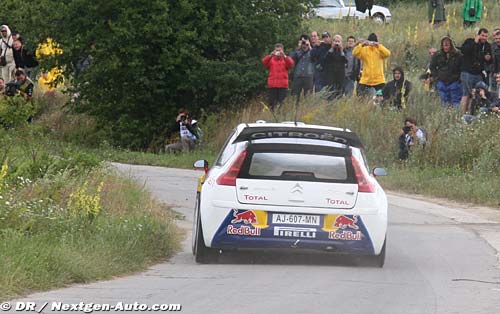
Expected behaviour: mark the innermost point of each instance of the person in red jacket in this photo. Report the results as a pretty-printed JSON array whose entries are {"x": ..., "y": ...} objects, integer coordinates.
[{"x": 278, "y": 65}]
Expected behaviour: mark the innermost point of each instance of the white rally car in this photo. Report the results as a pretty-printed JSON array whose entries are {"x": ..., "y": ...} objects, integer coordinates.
[{"x": 290, "y": 185}]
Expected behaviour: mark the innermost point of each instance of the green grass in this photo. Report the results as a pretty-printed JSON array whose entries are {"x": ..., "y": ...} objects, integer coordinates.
[
  {"x": 66, "y": 219},
  {"x": 182, "y": 160},
  {"x": 444, "y": 183}
]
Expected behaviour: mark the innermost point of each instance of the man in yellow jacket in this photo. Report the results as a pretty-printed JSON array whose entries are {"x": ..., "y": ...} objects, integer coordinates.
[{"x": 372, "y": 54}]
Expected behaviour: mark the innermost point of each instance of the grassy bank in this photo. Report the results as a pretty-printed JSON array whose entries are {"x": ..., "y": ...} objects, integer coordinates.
[{"x": 65, "y": 219}]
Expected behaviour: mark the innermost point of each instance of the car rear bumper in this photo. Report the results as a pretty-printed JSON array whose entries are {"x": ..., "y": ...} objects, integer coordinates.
[{"x": 354, "y": 234}]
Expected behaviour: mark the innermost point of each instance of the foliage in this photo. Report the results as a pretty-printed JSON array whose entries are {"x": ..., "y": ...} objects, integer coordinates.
[
  {"x": 150, "y": 57},
  {"x": 15, "y": 111}
]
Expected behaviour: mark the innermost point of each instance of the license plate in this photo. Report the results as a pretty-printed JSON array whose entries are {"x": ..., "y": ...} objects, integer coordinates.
[{"x": 296, "y": 219}]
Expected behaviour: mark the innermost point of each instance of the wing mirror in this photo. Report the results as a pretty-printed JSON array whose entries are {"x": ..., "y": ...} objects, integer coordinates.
[
  {"x": 201, "y": 164},
  {"x": 379, "y": 172}
]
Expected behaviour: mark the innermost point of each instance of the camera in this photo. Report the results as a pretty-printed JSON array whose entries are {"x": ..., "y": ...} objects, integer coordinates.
[
  {"x": 304, "y": 42},
  {"x": 336, "y": 44},
  {"x": 183, "y": 117},
  {"x": 406, "y": 129},
  {"x": 11, "y": 89}
]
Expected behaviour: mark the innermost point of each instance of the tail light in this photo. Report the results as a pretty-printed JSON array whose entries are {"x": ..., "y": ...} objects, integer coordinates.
[
  {"x": 363, "y": 178},
  {"x": 229, "y": 177}
]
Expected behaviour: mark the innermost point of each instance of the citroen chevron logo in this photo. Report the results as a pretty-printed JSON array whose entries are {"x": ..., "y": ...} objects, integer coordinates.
[{"x": 297, "y": 188}]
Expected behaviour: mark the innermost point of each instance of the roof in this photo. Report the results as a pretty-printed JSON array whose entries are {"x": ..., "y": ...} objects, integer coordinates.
[{"x": 256, "y": 131}]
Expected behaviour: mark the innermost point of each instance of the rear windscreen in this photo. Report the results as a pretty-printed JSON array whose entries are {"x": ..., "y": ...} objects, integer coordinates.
[{"x": 298, "y": 166}]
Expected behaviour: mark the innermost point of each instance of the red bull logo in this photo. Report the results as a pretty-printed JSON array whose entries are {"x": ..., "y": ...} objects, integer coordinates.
[
  {"x": 243, "y": 231},
  {"x": 345, "y": 235},
  {"x": 247, "y": 217},
  {"x": 343, "y": 222}
]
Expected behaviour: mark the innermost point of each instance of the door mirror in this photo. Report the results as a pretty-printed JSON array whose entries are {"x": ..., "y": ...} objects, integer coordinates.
[
  {"x": 379, "y": 172},
  {"x": 201, "y": 165}
]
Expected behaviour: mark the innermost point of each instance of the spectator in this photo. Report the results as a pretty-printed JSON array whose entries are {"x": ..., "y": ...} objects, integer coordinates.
[
  {"x": 315, "y": 42},
  {"x": 426, "y": 77},
  {"x": 378, "y": 98},
  {"x": 304, "y": 68},
  {"x": 410, "y": 135},
  {"x": 24, "y": 85},
  {"x": 436, "y": 12},
  {"x": 397, "y": 90},
  {"x": 471, "y": 12},
  {"x": 24, "y": 59},
  {"x": 495, "y": 66},
  {"x": 480, "y": 99},
  {"x": 417, "y": 134},
  {"x": 318, "y": 54},
  {"x": 445, "y": 71},
  {"x": 16, "y": 35},
  {"x": 7, "y": 63},
  {"x": 188, "y": 132},
  {"x": 476, "y": 54},
  {"x": 372, "y": 54},
  {"x": 353, "y": 67},
  {"x": 278, "y": 65},
  {"x": 334, "y": 63}
]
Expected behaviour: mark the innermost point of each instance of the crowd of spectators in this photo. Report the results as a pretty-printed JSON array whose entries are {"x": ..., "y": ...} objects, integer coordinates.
[{"x": 18, "y": 66}]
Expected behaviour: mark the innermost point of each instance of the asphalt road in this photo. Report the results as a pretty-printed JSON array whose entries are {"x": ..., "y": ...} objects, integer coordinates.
[{"x": 441, "y": 258}]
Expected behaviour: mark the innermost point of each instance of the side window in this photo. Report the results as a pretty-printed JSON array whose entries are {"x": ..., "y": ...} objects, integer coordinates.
[
  {"x": 330, "y": 3},
  {"x": 227, "y": 150}
]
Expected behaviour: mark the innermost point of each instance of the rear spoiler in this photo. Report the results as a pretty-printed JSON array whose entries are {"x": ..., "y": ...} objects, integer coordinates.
[{"x": 257, "y": 133}]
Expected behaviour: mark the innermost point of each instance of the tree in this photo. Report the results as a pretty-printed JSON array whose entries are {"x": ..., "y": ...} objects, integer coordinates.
[{"x": 150, "y": 57}]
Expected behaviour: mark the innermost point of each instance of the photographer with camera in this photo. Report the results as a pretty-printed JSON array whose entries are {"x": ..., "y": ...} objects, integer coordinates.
[
  {"x": 22, "y": 86},
  {"x": 278, "y": 64},
  {"x": 334, "y": 64},
  {"x": 303, "y": 73},
  {"x": 318, "y": 53},
  {"x": 188, "y": 131},
  {"x": 372, "y": 54}
]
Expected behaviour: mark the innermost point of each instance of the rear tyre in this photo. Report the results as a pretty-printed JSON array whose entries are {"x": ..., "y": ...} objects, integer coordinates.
[
  {"x": 202, "y": 253},
  {"x": 379, "y": 260}
]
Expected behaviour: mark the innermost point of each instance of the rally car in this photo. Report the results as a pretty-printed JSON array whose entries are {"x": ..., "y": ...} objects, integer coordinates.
[{"x": 290, "y": 185}]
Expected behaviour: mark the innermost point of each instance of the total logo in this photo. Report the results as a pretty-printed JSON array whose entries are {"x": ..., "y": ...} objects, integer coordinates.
[
  {"x": 291, "y": 232},
  {"x": 336, "y": 202}
]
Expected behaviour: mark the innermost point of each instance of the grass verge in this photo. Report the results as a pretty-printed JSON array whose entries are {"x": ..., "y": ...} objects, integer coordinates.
[{"x": 65, "y": 219}]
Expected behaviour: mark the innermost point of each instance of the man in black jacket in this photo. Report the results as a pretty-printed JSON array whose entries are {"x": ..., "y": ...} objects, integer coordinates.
[
  {"x": 317, "y": 54},
  {"x": 24, "y": 59},
  {"x": 445, "y": 71},
  {"x": 397, "y": 90},
  {"x": 303, "y": 71},
  {"x": 476, "y": 56},
  {"x": 334, "y": 62}
]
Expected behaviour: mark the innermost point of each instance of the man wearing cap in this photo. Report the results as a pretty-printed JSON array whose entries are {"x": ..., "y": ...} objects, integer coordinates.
[
  {"x": 372, "y": 54},
  {"x": 318, "y": 54},
  {"x": 7, "y": 64}
]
